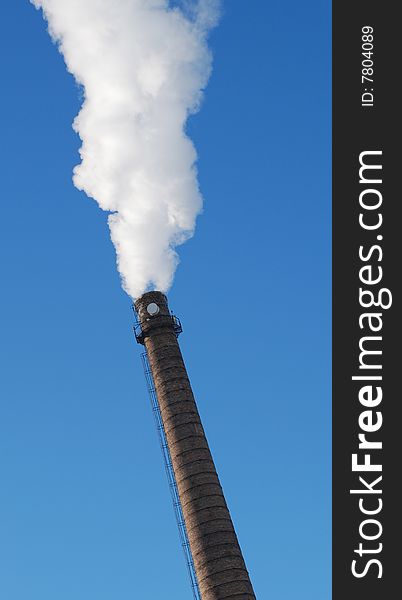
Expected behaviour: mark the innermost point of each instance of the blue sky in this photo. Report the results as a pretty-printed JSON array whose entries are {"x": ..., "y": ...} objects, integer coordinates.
[{"x": 85, "y": 508}]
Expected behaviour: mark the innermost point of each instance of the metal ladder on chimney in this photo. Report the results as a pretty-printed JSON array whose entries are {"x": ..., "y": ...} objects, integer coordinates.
[{"x": 171, "y": 477}]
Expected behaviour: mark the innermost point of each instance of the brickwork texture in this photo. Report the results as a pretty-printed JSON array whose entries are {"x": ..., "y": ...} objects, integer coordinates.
[{"x": 218, "y": 560}]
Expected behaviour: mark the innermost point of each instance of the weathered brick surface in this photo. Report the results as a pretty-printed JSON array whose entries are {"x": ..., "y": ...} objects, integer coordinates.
[{"x": 218, "y": 560}]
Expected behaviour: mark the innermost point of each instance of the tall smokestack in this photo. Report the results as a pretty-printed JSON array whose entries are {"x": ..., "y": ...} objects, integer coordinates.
[{"x": 218, "y": 560}]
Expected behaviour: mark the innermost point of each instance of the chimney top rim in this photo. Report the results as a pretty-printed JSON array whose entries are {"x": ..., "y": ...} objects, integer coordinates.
[{"x": 150, "y": 296}]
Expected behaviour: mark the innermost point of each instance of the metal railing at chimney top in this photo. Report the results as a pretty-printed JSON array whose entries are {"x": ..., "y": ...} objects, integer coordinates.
[
  {"x": 171, "y": 477},
  {"x": 139, "y": 335}
]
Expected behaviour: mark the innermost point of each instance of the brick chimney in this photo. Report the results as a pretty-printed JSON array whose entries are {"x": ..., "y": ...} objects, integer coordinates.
[{"x": 218, "y": 559}]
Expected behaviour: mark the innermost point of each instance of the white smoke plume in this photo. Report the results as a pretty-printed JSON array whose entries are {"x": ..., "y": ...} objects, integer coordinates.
[{"x": 143, "y": 65}]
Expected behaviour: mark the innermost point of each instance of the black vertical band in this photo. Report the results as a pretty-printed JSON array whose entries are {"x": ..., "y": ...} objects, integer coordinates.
[{"x": 366, "y": 310}]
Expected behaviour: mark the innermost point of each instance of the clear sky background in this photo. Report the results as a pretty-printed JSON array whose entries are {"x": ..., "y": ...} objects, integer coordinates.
[{"x": 85, "y": 511}]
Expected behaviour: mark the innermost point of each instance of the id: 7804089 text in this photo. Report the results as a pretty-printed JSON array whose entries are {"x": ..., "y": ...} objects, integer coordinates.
[{"x": 367, "y": 66}]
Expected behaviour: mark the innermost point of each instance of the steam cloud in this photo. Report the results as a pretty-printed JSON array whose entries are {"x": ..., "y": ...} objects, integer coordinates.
[{"x": 143, "y": 65}]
